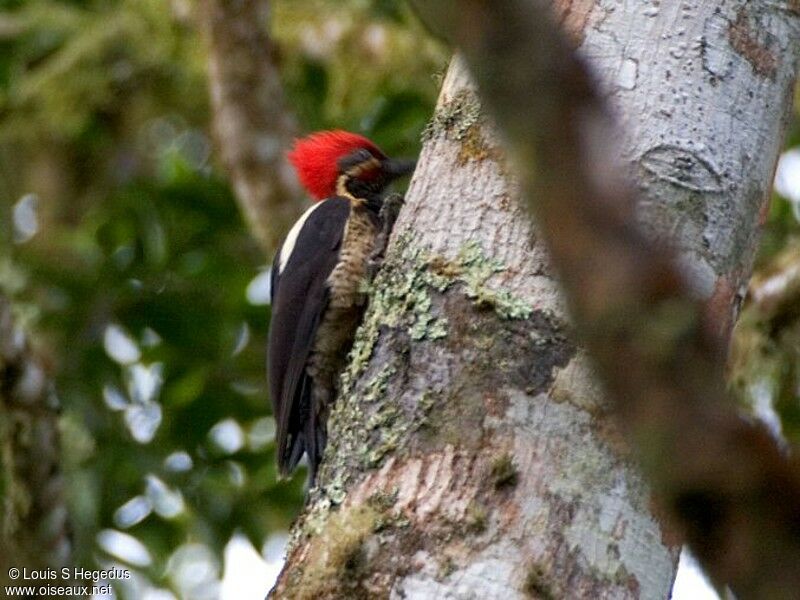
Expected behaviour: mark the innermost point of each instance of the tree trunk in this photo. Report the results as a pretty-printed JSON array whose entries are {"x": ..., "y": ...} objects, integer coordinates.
[
  {"x": 34, "y": 531},
  {"x": 471, "y": 454},
  {"x": 252, "y": 124},
  {"x": 474, "y": 446},
  {"x": 704, "y": 92}
]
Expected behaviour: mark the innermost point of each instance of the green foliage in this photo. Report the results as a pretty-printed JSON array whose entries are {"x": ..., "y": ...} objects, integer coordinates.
[
  {"x": 138, "y": 245},
  {"x": 783, "y": 221},
  {"x": 73, "y": 62},
  {"x": 362, "y": 65},
  {"x": 167, "y": 262}
]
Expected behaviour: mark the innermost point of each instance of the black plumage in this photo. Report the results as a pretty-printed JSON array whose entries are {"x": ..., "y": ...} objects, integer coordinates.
[{"x": 300, "y": 296}]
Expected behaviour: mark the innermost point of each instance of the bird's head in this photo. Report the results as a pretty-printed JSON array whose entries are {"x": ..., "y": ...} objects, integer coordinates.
[{"x": 339, "y": 162}]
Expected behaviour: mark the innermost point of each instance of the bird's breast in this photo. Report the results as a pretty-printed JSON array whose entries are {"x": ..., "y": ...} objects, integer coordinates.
[
  {"x": 346, "y": 301},
  {"x": 345, "y": 280}
]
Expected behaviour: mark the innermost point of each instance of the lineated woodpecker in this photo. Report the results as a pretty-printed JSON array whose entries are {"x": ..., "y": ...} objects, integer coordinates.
[{"x": 317, "y": 298}]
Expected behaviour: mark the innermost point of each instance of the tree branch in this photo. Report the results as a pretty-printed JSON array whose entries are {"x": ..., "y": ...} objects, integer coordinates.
[
  {"x": 775, "y": 291},
  {"x": 252, "y": 124},
  {"x": 722, "y": 478}
]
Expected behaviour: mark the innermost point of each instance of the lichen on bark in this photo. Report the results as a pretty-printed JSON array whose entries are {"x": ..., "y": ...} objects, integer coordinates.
[
  {"x": 407, "y": 297},
  {"x": 390, "y": 409},
  {"x": 462, "y": 119}
]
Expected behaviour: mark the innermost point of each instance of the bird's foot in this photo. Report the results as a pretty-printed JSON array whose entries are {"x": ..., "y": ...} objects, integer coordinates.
[{"x": 388, "y": 216}]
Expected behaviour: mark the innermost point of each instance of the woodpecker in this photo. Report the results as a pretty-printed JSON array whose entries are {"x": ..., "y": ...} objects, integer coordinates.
[{"x": 317, "y": 297}]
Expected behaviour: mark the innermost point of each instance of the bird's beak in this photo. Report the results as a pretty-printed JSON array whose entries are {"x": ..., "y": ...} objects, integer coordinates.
[{"x": 397, "y": 168}]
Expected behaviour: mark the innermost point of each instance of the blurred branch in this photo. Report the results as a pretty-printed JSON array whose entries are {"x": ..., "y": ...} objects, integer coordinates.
[
  {"x": 30, "y": 16},
  {"x": 35, "y": 532},
  {"x": 776, "y": 289},
  {"x": 252, "y": 124},
  {"x": 10, "y": 27},
  {"x": 765, "y": 353},
  {"x": 722, "y": 478}
]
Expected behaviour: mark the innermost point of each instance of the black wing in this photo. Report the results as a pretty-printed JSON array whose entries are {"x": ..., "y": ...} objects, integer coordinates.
[{"x": 299, "y": 299}]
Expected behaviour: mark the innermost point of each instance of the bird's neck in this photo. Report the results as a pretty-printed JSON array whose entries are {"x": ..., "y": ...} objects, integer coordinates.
[{"x": 359, "y": 193}]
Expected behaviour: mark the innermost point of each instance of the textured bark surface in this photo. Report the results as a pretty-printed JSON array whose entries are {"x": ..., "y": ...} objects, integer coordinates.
[
  {"x": 703, "y": 90},
  {"x": 34, "y": 531},
  {"x": 477, "y": 455},
  {"x": 471, "y": 455},
  {"x": 252, "y": 125},
  {"x": 657, "y": 336}
]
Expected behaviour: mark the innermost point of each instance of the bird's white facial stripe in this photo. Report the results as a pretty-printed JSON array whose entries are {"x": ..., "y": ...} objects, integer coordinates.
[{"x": 291, "y": 239}]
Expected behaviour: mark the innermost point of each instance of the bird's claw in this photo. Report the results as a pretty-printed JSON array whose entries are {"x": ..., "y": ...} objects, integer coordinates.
[{"x": 388, "y": 216}]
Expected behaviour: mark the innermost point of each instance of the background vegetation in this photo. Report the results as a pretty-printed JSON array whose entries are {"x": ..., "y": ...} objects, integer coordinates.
[{"x": 123, "y": 251}]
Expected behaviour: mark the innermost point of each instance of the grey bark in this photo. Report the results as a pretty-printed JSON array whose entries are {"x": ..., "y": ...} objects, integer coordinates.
[
  {"x": 471, "y": 454},
  {"x": 703, "y": 91},
  {"x": 252, "y": 123}
]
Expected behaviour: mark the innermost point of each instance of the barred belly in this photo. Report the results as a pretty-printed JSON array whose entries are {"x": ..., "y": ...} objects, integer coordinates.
[{"x": 336, "y": 331}]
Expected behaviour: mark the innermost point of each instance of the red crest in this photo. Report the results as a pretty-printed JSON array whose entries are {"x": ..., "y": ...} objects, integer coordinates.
[{"x": 315, "y": 159}]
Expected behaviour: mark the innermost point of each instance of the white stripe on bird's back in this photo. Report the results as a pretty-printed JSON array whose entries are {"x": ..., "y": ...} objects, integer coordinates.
[{"x": 291, "y": 238}]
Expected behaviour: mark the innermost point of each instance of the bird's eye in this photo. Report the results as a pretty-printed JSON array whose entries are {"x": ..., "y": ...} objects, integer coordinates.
[
  {"x": 363, "y": 155},
  {"x": 354, "y": 159}
]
